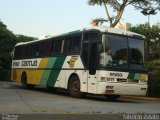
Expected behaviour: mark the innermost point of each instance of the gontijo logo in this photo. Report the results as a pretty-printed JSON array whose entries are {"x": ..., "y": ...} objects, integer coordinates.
[{"x": 72, "y": 61}]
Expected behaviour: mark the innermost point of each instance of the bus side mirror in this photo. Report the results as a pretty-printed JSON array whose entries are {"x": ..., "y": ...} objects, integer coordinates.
[{"x": 93, "y": 58}]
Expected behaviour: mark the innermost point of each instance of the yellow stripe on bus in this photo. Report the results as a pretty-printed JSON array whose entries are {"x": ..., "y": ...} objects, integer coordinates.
[
  {"x": 143, "y": 77},
  {"x": 34, "y": 76}
]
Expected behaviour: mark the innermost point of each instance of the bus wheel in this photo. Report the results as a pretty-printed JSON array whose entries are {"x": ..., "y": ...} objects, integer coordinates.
[
  {"x": 24, "y": 81},
  {"x": 112, "y": 97},
  {"x": 74, "y": 87}
]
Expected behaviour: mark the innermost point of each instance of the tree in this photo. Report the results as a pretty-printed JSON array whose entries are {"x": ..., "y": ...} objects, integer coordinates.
[
  {"x": 154, "y": 78},
  {"x": 23, "y": 38},
  {"x": 7, "y": 42},
  {"x": 118, "y": 7},
  {"x": 152, "y": 35}
]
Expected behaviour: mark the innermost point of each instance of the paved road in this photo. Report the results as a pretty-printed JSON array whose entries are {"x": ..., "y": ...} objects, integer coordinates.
[{"x": 14, "y": 99}]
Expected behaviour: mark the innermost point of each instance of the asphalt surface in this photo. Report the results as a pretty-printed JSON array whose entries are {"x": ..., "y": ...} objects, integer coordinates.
[{"x": 40, "y": 102}]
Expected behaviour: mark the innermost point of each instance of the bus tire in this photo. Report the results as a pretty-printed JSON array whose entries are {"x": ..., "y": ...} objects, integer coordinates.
[
  {"x": 74, "y": 87},
  {"x": 24, "y": 81},
  {"x": 112, "y": 97}
]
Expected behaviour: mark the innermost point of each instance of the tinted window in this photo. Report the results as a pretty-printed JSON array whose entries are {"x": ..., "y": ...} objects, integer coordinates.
[
  {"x": 122, "y": 52},
  {"x": 31, "y": 50},
  {"x": 16, "y": 53},
  {"x": 136, "y": 50},
  {"x": 72, "y": 45},
  {"x": 58, "y": 46},
  {"x": 114, "y": 52},
  {"x": 76, "y": 44},
  {"x": 45, "y": 48},
  {"x": 119, "y": 50},
  {"x": 35, "y": 50},
  {"x": 68, "y": 45},
  {"x": 20, "y": 52}
]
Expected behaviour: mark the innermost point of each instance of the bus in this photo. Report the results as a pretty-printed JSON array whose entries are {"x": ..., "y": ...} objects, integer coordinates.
[{"x": 97, "y": 60}]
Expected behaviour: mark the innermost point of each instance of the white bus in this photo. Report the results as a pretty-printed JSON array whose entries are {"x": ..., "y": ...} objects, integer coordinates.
[{"x": 98, "y": 60}]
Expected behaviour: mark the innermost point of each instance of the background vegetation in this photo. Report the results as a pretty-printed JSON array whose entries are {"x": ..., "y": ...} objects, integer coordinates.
[{"x": 7, "y": 42}]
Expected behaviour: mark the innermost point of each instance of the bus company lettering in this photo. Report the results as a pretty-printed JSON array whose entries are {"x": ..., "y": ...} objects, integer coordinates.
[
  {"x": 15, "y": 63},
  {"x": 29, "y": 63},
  {"x": 116, "y": 74}
]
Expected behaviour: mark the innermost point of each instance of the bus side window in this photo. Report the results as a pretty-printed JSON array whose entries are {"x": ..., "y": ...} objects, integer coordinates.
[
  {"x": 41, "y": 48},
  {"x": 49, "y": 48},
  {"x": 72, "y": 45},
  {"x": 57, "y": 46},
  {"x": 16, "y": 54},
  {"x": 45, "y": 48},
  {"x": 30, "y": 51},
  {"x": 27, "y": 51},
  {"x": 22, "y": 52},
  {"x": 68, "y": 45},
  {"x": 35, "y": 50},
  {"x": 76, "y": 44}
]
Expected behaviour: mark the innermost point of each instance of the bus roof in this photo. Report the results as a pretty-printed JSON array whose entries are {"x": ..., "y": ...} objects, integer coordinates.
[
  {"x": 99, "y": 28},
  {"x": 115, "y": 31}
]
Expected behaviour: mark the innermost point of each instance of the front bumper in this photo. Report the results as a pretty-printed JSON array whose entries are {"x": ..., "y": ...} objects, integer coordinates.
[{"x": 122, "y": 89}]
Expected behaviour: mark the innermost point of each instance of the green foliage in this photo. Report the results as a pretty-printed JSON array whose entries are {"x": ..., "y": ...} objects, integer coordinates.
[
  {"x": 7, "y": 42},
  {"x": 118, "y": 6},
  {"x": 152, "y": 35},
  {"x": 22, "y": 38},
  {"x": 154, "y": 78}
]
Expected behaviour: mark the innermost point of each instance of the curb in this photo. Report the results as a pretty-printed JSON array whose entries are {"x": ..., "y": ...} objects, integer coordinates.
[{"x": 141, "y": 98}]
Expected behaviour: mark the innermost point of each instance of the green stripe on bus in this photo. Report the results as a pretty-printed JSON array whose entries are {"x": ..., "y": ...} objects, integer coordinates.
[
  {"x": 55, "y": 72},
  {"x": 47, "y": 73},
  {"x": 137, "y": 76},
  {"x": 131, "y": 76}
]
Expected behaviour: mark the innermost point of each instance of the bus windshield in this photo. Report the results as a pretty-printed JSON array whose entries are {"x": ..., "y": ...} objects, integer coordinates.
[{"x": 122, "y": 52}]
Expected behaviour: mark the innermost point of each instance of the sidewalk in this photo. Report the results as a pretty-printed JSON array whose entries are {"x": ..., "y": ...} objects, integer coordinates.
[{"x": 141, "y": 98}]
